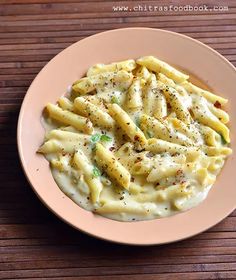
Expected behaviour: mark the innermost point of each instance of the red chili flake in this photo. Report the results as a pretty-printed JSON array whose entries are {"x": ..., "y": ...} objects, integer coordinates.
[
  {"x": 217, "y": 104},
  {"x": 179, "y": 172},
  {"x": 168, "y": 106},
  {"x": 138, "y": 159},
  {"x": 136, "y": 137},
  {"x": 191, "y": 112}
]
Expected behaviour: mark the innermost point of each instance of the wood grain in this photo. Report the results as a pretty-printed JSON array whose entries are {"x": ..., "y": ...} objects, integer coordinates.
[{"x": 34, "y": 244}]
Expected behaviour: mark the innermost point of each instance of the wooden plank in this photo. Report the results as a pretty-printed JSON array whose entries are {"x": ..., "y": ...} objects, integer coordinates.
[
  {"x": 132, "y": 269},
  {"x": 31, "y": 33},
  {"x": 227, "y": 18},
  {"x": 224, "y": 25},
  {"x": 172, "y": 276},
  {"x": 81, "y": 7},
  {"x": 45, "y": 40}
]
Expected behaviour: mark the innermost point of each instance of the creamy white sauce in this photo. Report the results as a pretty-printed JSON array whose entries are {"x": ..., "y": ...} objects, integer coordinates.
[{"x": 71, "y": 181}]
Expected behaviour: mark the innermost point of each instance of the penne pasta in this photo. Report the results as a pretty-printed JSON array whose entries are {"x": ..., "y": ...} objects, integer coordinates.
[
  {"x": 157, "y": 65},
  {"x": 192, "y": 89},
  {"x": 134, "y": 95},
  {"x": 94, "y": 183},
  {"x": 65, "y": 103},
  {"x": 135, "y": 140},
  {"x": 162, "y": 131},
  {"x": 127, "y": 65},
  {"x": 106, "y": 160},
  {"x": 126, "y": 123},
  {"x": 94, "y": 113},
  {"x": 69, "y": 118}
]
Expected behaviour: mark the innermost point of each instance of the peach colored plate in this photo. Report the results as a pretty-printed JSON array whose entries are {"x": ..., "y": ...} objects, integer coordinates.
[{"x": 115, "y": 45}]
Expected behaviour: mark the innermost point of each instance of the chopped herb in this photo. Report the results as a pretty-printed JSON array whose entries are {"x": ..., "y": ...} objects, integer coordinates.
[
  {"x": 96, "y": 172},
  {"x": 222, "y": 139},
  {"x": 105, "y": 138},
  {"x": 115, "y": 99},
  {"x": 137, "y": 122},
  {"x": 95, "y": 138},
  {"x": 94, "y": 148},
  {"x": 149, "y": 134}
]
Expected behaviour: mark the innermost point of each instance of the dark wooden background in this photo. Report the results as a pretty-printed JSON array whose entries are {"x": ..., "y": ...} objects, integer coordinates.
[{"x": 34, "y": 244}]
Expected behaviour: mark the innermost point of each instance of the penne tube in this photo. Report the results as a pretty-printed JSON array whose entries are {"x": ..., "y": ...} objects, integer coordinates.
[
  {"x": 134, "y": 95},
  {"x": 63, "y": 142},
  {"x": 83, "y": 86},
  {"x": 202, "y": 114},
  {"x": 211, "y": 137},
  {"x": 161, "y": 146},
  {"x": 206, "y": 94},
  {"x": 159, "y": 105},
  {"x": 115, "y": 170},
  {"x": 162, "y": 79},
  {"x": 153, "y": 99},
  {"x": 217, "y": 151},
  {"x": 148, "y": 96},
  {"x": 120, "y": 80},
  {"x": 69, "y": 118},
  {"x": 177, "y": 105},
  {"x": 220, "y": 114},
  {"x": 143, "y": 73},
  {"x": 126, "y": 123},
  {"x": 94, "y": 113},
  {"x": 54, "y": 146},
  {"x": 65, "y": 103},
  {"x": 165, "y": 80},
  {"x": 127, "y": 65},
  {"x": 94, "y": 183},
  {"x": 157, "y": 65},
  {"x": 162, "y": 131},
  {"x": 190, "y": 130}
]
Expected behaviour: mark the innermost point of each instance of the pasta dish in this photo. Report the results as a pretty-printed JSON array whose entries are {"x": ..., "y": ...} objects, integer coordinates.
[{"x": 136, "y": 140}]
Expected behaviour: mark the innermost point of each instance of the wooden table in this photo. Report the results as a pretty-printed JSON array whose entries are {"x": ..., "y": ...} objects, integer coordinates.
[{"x": 34, "y": 244}]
